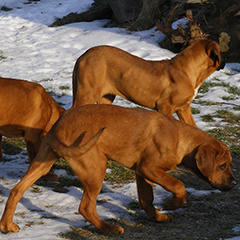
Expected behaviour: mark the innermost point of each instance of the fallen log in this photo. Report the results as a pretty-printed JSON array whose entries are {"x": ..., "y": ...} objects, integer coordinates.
[{"x": 99, "y": 12}]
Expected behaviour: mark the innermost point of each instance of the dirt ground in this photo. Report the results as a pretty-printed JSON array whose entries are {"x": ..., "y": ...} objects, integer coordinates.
[{"x": 210, "y": 217}]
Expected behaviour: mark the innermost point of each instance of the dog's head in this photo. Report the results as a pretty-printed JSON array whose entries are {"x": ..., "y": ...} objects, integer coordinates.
[
  {"x": 214, "y": 54},
  {"x": 213, "y": 161},
  {"x": 212, "y": 50}
]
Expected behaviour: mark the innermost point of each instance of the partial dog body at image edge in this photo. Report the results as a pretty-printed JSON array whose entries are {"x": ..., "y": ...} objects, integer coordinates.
[
  {"x": 167, "y": 86},
  {"x": 28, "y": 111},
  {"x": 148, "y": 142}
]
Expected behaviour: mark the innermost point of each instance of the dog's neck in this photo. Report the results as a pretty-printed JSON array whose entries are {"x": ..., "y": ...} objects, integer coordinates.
[
  {"x": 190, "y": 138},
  {"x": 189, "y": 163},
  {"x": 188, "y": 160},
  {"x": 189, "y": 60}
]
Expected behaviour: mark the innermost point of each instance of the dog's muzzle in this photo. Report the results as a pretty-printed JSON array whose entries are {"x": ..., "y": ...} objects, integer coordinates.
[{"x": 232, "y": 183}]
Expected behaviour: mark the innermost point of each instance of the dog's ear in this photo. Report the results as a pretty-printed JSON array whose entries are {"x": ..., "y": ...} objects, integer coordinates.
[
  {"x": 205, "y": 159},
  {"x": 213, "y": 52}
]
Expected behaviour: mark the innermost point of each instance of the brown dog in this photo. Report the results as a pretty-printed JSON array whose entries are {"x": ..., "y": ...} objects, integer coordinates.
[
  {"x": 28, "y": 111},
  {"x": 148, "y": 142},
  {"x": 167, "y": 86}
]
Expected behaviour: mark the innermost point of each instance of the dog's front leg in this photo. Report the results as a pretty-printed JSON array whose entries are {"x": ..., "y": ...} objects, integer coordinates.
[
  {"x": 165, "y": 107},
  {"x": 145, "y": 195},
  {"x": 185, "y": 115},
  {"x": 155, "y": 174}
]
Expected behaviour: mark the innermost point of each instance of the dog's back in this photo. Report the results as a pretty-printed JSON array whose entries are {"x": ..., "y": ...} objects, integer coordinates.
[
  {"x": 127, "y": 131},
  {"x": 25, "y": 104}
]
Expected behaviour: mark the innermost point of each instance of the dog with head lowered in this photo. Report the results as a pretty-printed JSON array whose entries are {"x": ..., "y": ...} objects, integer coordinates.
[
  {"x": 167, "y": 86},
  {"x": 28, "y": 111},
  {"x": 148, "y": 142}
]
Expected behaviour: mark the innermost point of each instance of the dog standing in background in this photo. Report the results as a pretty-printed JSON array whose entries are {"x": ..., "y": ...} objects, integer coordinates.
[
  {"x": 167, "y": 86},
  {"x": 28, "y": 111}
]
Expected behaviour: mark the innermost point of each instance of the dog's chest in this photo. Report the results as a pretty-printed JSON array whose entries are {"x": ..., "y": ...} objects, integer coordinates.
[{"x": 195, "y": 93}]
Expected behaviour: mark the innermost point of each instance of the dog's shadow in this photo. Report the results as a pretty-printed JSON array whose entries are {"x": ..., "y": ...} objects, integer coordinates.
[{"x": 110, "y": 206}]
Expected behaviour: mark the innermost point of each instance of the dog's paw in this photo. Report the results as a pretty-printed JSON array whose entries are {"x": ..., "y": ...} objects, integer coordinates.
[
  {"x": 117, "y": 230},
  {"x": 5, "y": 228},
  {"x": 109, "y": 228},
  {"x": 175, "y": 203},
  {"x": 163, "y": 217}
]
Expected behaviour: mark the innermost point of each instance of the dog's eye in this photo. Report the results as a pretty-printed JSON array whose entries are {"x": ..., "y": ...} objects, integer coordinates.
[{"x": 223, "y": 166}]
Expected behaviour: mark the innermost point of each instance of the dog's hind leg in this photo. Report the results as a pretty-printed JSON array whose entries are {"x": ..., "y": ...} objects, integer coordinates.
[
  {"x": 90, "y": 170},
  {"x": 39, "y": 167},
  {"x": 86, "y": 94},
  {"x": 145, "y": 194},
  {"x": 33, "y": 140},
  {"x": 85, "y": 97}
]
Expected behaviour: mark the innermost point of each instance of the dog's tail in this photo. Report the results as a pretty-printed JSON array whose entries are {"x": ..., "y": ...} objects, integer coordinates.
[{"x": 75, "y": 149}]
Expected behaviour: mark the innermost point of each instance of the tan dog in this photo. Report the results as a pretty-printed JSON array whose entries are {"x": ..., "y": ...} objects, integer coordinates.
[
  {"x": 167, "y": 86},
  {"x": 28, "y": 111},
  {"x": 148, "y": 142}
]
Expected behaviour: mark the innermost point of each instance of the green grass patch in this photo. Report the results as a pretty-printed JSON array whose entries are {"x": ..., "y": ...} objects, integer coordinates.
[
  {"x": 204, "y": 87},
  {"x": 64, "y": 87},
  {"x": 35, "y": 189},
  {"x": 49, "y": 206},
  {"x": 2, "y": 57},
  {"x": 13, "y": 146},
  {"x": 61, "y": 104},
  {"x": 228, "y": 116},
  {"x": 5, "y": 9},
  {"x": 195, "y": 111},
  {"x": 80, "y": 234},
  {"x": 229, "y": 98},
  {"x": 230, "y": 135},
  {"x": 62, "y": 164},
  {"x": 207, "y": 85},
  {"x": 234, "y": 90},
  {"x": 206, "y": 103},
  {"x": 46, "y": 80},
  {"x": 229, "y": 73},
  {"x": 133, "y": 205},
  {"x": 31, "y": 1},
  {"x": 207, "y": 118},
  {"x": 49, "y": 217},
  {"x": 59, "y": 186},
  {"x": 119, "y": 174},
  {"x": 236, "y": 108},
  {"x": 29, "y": 224}
]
